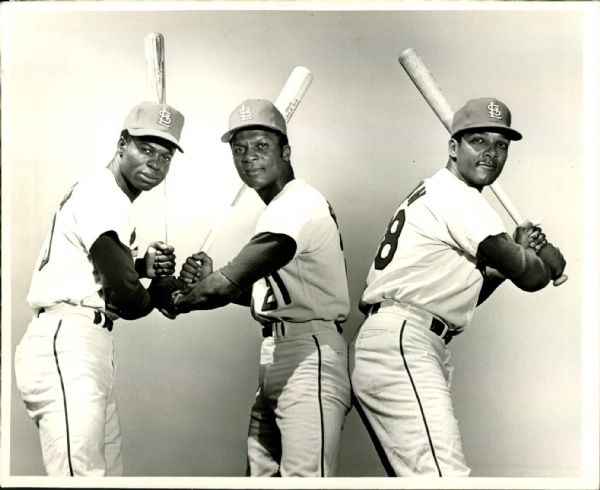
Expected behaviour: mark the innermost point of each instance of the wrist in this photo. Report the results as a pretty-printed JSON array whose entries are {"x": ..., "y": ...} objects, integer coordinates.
[{"x": 140, "y": 268}]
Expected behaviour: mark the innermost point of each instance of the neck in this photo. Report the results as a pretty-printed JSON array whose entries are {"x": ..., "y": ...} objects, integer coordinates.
[
  {"x": 267, "y": 194},
  {"x": 115, "y": 167},
  {"x": 454, "y": 171}
]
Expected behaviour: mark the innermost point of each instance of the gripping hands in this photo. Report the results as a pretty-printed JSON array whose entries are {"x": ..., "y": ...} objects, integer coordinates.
[
  {"x": 169, "y": 291},
  {"x": 530, "y": 235},
  {"x": 159, "y": 260},
  {"x": 196, "y": 268}
]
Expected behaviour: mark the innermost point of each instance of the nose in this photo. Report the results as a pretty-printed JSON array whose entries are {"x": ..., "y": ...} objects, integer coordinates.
[
  {"x": 153, "y": 163},
  {"x": 249, "y": 155},
  {"x": 490, "y": 151}
]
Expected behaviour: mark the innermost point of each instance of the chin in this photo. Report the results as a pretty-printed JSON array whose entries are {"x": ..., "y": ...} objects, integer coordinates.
[{"x": 254, "y": 184}]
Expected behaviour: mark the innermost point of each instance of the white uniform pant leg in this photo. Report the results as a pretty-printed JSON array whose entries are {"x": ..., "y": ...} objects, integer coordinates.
[
  {"x": 264, "y": 439},
  {"x": 112, "y": 439},
  {"x": 400, "y": 376},
  {"x": 308, "y": 388},
  {"x": 65, "y": 373}
]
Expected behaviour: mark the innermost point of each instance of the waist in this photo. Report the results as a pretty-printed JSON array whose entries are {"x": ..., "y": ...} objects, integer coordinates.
[
  {"x": 422, "y": 317},
  {"x": 283, "y": 329},
  {"x": 96, "y": 316}
]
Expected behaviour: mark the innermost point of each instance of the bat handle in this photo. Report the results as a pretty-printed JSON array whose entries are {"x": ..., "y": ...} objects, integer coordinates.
[
  {"x": 556, "y": 281},
  {"x": 560, "y": 280}
]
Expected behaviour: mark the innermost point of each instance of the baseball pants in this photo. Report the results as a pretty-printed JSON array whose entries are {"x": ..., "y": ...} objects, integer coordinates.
[
  {"x": 301, "y": 403},
  {"x": 65, "y": 368},
  {"x": 401, "y": 375}
]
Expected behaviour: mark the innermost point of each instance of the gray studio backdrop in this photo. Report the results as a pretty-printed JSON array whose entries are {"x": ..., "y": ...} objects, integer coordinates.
[{"x": 363, "y": 136}]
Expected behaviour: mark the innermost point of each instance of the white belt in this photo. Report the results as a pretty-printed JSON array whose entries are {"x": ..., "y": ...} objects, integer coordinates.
[
  {"x": 435, "y": 324},
  {"x": 281, "y": 329},
  {"x": 95, "y": 315}
]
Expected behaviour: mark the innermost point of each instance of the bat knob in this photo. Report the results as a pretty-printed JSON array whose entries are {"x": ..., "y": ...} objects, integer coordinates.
[{"x": 560, "y": 280}]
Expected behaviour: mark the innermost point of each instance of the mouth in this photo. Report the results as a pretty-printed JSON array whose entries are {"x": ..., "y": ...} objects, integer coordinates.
[
  {"x": 253, "y": 172},
  {"x": 487, "y": 165},
  {"x": 150, "y": 179}
]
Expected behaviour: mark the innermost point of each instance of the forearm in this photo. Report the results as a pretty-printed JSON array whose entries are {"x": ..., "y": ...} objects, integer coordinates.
[
  {"x": 213, "y": 291},
  {"x": 123, "y": 292},
  {"x": 520, "y": 265},
  {"x": 140, "y": 268},
  {"x": 244, "y": 299},
  {"x": 263, "y": 255}
]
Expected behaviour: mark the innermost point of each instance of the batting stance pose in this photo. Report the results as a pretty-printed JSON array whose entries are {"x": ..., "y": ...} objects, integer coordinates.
[
  {"x": 444, "y": 252},
  {"x": 85, "y": 278},
  {"x": 292, "y": 273}
]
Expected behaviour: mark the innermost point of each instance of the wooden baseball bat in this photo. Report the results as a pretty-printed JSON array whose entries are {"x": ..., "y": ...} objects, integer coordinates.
[
  {"x": 431, "y": 92},
  {"x": 154, "y": 50},
  {"x": 287, "y": 102}
]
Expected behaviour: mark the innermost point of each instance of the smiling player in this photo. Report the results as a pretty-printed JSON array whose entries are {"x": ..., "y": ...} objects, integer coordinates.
[{"x": 444, "y": 252}]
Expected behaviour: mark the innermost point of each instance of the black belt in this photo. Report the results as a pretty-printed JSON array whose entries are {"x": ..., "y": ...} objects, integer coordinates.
[
  {"x": 99, "y": 319},
  {"x": 437, "y": 326},
  {"x": 267, "y": 329}
]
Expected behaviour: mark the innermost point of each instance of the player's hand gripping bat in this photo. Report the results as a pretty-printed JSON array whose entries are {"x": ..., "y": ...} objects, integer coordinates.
[
  {"x": 287, "y": 102},
  {"x": 154, "y": 51},
  {"x": 431, "y": 92}
]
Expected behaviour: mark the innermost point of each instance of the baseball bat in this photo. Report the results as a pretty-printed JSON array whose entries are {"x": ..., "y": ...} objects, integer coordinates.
[
  {"x": 154, "y": 50},
  {"x": 287, "y": 102},
  {"x": 431, "y": 92}
]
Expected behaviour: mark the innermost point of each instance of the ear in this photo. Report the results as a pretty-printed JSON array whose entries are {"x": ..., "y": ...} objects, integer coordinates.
[
  {"x": 286, "y": 153},
  {"x": 121, "y": 146},
  {"x": 453, "y": 148}
]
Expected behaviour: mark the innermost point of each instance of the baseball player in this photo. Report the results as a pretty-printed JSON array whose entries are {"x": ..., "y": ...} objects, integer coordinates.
[
  {"x": 443, "y": 253},
  {"x": 86, "y": 278},
  {"x": 292, "y": 274}
]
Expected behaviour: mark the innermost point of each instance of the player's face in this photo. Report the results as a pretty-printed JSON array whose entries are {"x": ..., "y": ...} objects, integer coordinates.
[
  {"x": 479, "y": 157},
  {"x": 145, "y": 162},
  {"x": 260, "y": 162}
]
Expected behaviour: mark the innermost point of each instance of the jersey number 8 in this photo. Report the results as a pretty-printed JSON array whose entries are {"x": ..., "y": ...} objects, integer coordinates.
[{"x": 389, "y": 243}]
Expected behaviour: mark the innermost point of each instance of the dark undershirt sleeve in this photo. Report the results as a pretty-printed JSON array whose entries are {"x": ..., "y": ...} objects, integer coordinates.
[
  {"x": 490, "y": 283},
  {"x": 123, "y": 292},
  {"x": 522, "y": 266},
  {"x": 140, "y": 268},
  {"x": 262, "y": 255}
]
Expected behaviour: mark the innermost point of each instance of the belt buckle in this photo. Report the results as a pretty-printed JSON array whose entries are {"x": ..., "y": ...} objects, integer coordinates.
[
  {"x": 445, "y": 331},
  {"x": 373, "y": 309},
  {"x": 103, "y": 320},
  {"x": 445, "y": 334}
]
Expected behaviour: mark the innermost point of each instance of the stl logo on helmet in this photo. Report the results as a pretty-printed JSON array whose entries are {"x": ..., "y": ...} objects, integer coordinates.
[
  {"x": 164, "y": 118},
  {"x": 245, "y": 113},
  {"x": 494, "y": 110}
]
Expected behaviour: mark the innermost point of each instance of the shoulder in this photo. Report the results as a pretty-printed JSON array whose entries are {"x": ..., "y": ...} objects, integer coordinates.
[
  {"x": 452, "y": 190},
  {"x": 299, "y": 190},
  {"x": 99, "y": 189},
  {"x": 98, "y": 180}
]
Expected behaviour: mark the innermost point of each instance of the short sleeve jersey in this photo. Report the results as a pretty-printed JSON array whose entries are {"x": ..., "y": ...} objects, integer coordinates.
[
  {"x": 427, "y": 257},
  {"x": 313, "y": 285},
  {"x": 64, "y": 271}
]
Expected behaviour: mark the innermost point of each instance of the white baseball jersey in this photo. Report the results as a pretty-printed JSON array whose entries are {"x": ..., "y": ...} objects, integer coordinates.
[
  {"x": 313, "y": 285},
  {"x": 65, "y": 363},
  {"x": 427, "y": 257},
  {"x": 64, "y": 272},
  {"x": 304, "y": 386}
]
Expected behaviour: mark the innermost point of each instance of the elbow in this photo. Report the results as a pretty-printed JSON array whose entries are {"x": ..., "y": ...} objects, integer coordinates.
[
  {"x": 130, "y": 314},
  {"x": 131, "y": 311},
  {"x": 131, "y": 306},
  {"x": 532, "y": 283}
]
